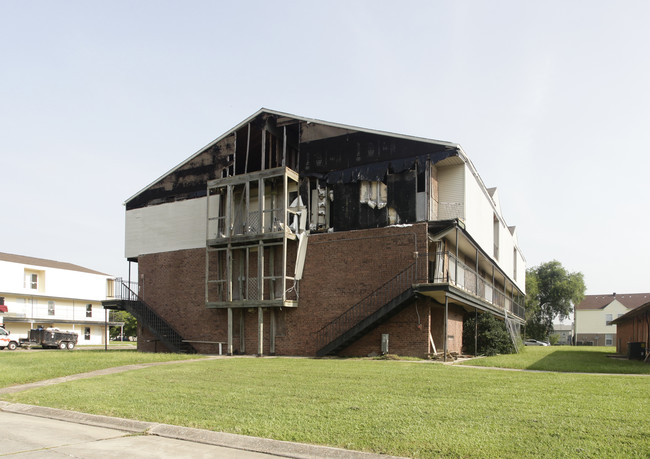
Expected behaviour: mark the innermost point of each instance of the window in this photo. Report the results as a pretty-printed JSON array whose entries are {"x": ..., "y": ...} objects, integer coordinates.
[
  {"x": 609, "y": 340},
  {"x": 50, "y": 308},
  {"x": 514, "y": 264},
  {"x": 34, "y": 280},
  {"x": 608, "y": 319},
  {"x": 87, "y": 333},
  {"x": 31, "y": 281},
  {"x": 89, "y": 310}
]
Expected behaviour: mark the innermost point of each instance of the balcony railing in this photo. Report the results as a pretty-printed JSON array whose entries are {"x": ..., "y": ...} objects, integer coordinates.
[{"x": 443, "y": 270}]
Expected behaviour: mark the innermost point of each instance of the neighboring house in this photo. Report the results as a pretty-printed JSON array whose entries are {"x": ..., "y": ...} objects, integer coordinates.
[
  {"x": 595, "y": 313},
  {"x": 633, "y": 327},
  {"x": 564, "y": 333},
  {"x": 295, "y": 236},
  {"x": 44, "y": 293}
]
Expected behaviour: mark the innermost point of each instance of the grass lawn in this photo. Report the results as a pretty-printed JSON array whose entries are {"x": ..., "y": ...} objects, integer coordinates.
[
  {"x": 583, "y": 359},
  {"x": 401, "y": 408},
  {"x": 22, "y": 366}
]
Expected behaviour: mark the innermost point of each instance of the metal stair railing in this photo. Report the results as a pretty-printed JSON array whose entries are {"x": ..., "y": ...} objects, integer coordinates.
[
  {"x": 148, "y": 317},
  {"x": 368, "y": 305}
]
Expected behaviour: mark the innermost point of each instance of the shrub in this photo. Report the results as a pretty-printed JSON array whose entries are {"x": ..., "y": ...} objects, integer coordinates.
[{"x": 493, "y": 337}]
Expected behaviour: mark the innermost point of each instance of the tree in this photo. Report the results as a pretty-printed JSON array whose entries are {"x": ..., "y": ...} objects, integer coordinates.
[
  {"x": 492, "y": 338},
  {"x": 550, "y": 291},
  {"x": 130, "y": 324}
]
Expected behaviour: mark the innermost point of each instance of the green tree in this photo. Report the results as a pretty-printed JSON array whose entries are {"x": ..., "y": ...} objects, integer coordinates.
[
  {"x": 550, "y": 291},
  {"x": 130, "y": 323},
  {"x": 492, "y": 337}
]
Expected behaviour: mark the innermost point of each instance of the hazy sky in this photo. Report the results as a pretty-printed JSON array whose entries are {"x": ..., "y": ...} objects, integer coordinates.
[{"x": 549, "y": 99}]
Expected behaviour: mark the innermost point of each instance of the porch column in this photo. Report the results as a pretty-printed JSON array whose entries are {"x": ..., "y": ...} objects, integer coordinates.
[
  {"x": 444, "y": 341},
  {"x": 456, "y": 265},
  {"x": 272, "y": 337},
  {"x": 260, "y": 332},
  {"x": 229, "y": 346},
  {"x": 242, "y": 335},
  {"x": 475, "y": 332}
]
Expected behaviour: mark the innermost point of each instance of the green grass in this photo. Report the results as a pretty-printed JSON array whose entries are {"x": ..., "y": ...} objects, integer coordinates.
[
  {"x": 21, "y": 367},
  {"x": 401, "y": 408},
  {"x": 582, "y": 359}
]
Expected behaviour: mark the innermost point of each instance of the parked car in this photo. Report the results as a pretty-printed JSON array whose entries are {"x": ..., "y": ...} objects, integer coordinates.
[{"x": 534, "y": 342}]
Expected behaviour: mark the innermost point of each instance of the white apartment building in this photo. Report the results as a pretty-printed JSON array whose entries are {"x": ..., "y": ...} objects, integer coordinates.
[
  {"x": 36, "y": 292},
  {"x": 595, "y": 313}
]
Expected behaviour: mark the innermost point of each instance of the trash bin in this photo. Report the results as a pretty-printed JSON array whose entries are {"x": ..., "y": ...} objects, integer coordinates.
[{"x": 636, "y": 350}]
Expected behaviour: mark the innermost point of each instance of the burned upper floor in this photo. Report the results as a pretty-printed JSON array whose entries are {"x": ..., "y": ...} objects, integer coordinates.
[{"x": 374, "y": 176}]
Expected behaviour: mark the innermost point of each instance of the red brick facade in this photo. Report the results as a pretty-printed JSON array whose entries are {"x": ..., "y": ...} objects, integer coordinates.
[{"x": 340, "y": 270}]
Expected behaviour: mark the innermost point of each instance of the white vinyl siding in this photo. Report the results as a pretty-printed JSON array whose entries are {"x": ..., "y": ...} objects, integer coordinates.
[
  {"x": 451, "y": 192},
  {"x": 166, "y": 227}
]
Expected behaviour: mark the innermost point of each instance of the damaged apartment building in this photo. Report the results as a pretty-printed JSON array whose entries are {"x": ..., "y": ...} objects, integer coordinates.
[{"x": 294, "y": 236}]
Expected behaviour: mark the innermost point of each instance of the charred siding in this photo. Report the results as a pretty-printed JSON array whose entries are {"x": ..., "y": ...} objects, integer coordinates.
[
  {"x": 188, "y": 181},
  {"x": 364, "y": 156}
]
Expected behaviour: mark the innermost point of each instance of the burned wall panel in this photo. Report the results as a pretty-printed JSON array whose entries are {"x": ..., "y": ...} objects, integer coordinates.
[
  {"x": 401, "y": 195},
  {"x": 345, "y": 211}
]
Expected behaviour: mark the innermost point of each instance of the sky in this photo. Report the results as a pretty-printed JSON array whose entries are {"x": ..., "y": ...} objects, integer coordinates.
[{"x": 549, "y": 99}]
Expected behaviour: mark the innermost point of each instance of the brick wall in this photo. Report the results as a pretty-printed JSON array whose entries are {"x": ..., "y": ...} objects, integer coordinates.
[
  {"x": 340, "y": 269},
  {"x": 594, "y": 339},
  {"x": 173, "y": 284},
  {"x": 408, "y": 331}
]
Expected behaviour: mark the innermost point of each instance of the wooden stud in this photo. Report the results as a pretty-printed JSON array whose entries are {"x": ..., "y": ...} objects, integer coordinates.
[
  {"x": 242, "y": 332},
  {"x": 273, "y": 330},
  {"x": 260, "y": 331},
  {"x": 230, "y": 349}
]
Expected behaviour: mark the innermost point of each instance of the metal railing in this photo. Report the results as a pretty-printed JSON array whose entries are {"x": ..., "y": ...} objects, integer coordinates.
[
  {"x": 368, "y": 305},
  {"x": 148, "y": 317},
  {"x": 472, "y": 282}
]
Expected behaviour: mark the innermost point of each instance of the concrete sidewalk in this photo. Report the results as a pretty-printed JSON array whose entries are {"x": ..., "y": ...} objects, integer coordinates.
[{"x": 33, "y": 431}]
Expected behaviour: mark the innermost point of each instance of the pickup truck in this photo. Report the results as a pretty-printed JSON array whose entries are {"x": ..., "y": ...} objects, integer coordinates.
[{"x": 8, "y": 340}]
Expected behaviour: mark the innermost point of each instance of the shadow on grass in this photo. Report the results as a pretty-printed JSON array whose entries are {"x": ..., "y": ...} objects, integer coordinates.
[{"x": 587, "y": 361}]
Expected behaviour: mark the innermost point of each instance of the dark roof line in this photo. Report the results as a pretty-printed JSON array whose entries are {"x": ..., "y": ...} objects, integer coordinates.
[
  {"x": 25, "y": 260},
  {"x": 629, "y": 300}
]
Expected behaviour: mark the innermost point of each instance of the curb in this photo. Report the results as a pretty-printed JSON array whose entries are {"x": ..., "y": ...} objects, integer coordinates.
[{"x": 209, "y": 437}]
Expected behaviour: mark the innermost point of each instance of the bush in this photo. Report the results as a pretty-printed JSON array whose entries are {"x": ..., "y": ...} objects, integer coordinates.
[{"x": 493, "y": 337}]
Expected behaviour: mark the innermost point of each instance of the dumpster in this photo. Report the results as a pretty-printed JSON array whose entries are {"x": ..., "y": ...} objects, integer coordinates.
[{"x": 636, "y": 350}]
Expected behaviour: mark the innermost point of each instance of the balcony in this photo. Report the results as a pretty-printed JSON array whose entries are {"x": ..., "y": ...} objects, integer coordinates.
[{"x": 447, "y": 269}]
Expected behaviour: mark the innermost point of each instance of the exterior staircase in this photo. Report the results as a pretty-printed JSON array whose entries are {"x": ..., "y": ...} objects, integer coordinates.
[
  {"x": 374, "y": 309},
  {"x": 127, "y": 300}
]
